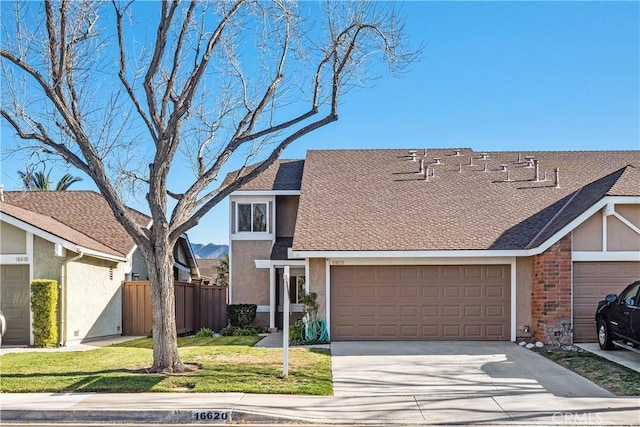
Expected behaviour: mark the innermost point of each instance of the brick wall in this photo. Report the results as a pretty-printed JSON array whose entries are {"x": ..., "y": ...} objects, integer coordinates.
[{"x": 551, "y": 294}]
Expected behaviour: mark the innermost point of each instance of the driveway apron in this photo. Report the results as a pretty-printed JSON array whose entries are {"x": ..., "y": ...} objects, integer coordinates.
[{"x": 451, "y": 370}]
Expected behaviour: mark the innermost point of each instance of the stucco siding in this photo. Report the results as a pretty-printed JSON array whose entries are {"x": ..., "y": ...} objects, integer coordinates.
[
  {"x": 317, "y": 283},
  {"x": 249, "y": 284},
  {"x": 588, "y": 235},
  {"x": 620, "y": 237},
  {"x": 523, "y": 295},
  {"x": 13, "y": 240},
  {"x": 94, "y": 299},
  {"x": 138, "y": 267},
  {"x": 45, "y": 264}
]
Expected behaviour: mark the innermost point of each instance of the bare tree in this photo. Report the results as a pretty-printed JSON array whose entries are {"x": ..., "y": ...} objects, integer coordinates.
[{"x": 110, "y": 87}]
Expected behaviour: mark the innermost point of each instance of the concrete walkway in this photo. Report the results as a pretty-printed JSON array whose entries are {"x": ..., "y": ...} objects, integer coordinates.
[
  {"x": 88, "y": 345},
  {"x": 620, "y": 356}
]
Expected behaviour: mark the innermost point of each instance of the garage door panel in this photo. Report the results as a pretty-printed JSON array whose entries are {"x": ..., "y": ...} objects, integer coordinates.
[
  {"x": 472, "y": 311},
  {"x": 426, "y": 302},
  {"x": 592, "y": 281},
  {"x": 430, "y": 292}
]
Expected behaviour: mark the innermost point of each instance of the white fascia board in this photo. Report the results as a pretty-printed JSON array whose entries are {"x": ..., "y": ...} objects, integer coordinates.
[
  {"x": 265, "y": 193},
  {"x": 268, "y": 263},
  {"x": 629, "y": 200},
  {"x": 502, "y": 260},
  {"x": 606, "y": 256},
  {"x": 97, "y": 254},
  {"x": 37, "y": 231},
  {"x": 58, "y": 240},
  {"x": 409, "y": 254}
]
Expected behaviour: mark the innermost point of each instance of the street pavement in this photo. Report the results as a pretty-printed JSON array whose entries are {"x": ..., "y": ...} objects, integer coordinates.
[{"x": 400, "y": 383}]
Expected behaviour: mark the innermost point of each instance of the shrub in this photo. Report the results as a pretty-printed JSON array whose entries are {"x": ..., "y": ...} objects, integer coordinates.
[
  {"x": 295, "y": 333},
  {"x": 204, "y": 333},
  {"x": 241, "y": 315},
  {"x": 44, "y": 304}
]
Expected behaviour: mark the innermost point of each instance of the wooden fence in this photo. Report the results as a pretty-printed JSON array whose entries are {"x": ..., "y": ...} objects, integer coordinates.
[{"x": 197, "y": 306}]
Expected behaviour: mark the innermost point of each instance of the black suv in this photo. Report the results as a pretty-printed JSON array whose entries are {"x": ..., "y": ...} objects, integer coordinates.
[{"x": 618, "y": 319}]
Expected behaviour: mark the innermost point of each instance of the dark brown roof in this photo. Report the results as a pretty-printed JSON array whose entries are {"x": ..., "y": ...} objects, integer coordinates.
[
  {"x": 283, "y": 174},
  {"x": 374, "y": 200},
  {"x": 81, "y": 217}
]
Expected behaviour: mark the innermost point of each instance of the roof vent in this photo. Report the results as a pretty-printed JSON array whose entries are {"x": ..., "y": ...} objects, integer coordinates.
[
  {"x": 437, "y": 161},
  {"x": 421, "y": 166},
  {"x": 557, "y": 177},
  {"x": 505, "y": 168},
  {"x": 484, "y": 155},
  {"x": 536, "y": 171},
  {"x": 1, "y": 193},
  {"x": 460, "y": 169},
  {"x": 413, "y": 154},
  {"x": 426, "y": 173},
  {"x": 456, "y": 153},
  {"x": 519, "y": 157},
  {"x": 485, "y": 167},
  {"x": 529, "y": 161},
  {"x": 470, "y": 160}
]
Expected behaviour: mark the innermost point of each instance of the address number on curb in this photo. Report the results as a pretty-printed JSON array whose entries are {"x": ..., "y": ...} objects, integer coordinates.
[{"x": 211, "y": 416}]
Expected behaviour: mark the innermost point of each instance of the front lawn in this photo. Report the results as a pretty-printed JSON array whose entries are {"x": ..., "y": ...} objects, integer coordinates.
[
  {"x": 227, "y": 364},
  {"x": 618, "y": 379}
]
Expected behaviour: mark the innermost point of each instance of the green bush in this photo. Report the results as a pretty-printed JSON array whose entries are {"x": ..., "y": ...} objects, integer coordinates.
[
  {"x": 241, "y": 315},
  {"x": 44, "y": 304},
  {"x": 295, "y": 333},
  {"x": 204, "y": 333}
]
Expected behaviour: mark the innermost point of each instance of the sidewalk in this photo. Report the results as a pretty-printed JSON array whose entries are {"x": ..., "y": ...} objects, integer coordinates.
[{"x": 178, "y": 408}]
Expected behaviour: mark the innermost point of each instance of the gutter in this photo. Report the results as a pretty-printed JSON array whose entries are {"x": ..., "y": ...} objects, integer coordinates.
[{"x": 62, "y": 338}]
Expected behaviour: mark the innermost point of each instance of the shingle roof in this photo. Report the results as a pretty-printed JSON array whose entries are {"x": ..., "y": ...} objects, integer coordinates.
[
  {"x": 374, "y": 200},
  {"x": 81, "y": 217},
  {"x": 283, "y": 174}
]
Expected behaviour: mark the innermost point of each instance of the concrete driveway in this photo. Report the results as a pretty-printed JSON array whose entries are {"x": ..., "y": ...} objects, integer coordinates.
[{"x": 451, "y": 370}]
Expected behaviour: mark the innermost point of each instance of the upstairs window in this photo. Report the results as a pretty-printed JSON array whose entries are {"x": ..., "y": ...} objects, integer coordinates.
[{"x": 252, "y": 217}]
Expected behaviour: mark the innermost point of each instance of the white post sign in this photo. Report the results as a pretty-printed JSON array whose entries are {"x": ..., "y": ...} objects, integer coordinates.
[{"x": 285, "y": 325}]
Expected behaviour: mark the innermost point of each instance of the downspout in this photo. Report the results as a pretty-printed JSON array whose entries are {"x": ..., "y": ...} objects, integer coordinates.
[{"x": 62, "y": 337}]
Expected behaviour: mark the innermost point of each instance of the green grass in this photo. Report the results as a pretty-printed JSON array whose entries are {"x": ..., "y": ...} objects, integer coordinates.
[
  {"x": 227, "y": 364},
  {"x": 618, "y": 379}
]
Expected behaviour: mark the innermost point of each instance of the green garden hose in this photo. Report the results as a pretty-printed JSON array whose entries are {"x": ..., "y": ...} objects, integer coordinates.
[{"x": 315, "y": 331}]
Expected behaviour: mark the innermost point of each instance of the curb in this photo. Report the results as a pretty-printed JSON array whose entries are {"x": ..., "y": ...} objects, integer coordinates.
[{"x": 161, "y": 416}]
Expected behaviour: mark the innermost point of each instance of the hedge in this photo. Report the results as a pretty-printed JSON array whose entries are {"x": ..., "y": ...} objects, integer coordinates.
[
  {"x": 44, "y": 305},
  {"x": 241, "y": 315}
]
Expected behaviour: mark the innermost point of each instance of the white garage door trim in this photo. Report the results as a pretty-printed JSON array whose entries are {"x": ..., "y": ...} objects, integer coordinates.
[{"x": 511, "y": 261}]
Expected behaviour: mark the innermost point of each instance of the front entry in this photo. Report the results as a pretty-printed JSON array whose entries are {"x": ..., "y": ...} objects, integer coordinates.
[{"x": 14, "y": 303}]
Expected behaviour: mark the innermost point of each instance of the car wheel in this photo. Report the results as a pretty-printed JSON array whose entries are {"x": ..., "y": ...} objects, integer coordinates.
[{"x": 604, "y": 335}]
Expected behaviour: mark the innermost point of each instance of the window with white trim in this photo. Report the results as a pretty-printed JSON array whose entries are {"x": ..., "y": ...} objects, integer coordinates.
[
  {"x": 296, "y": 289},
  {"x": 252, "y": 217}
]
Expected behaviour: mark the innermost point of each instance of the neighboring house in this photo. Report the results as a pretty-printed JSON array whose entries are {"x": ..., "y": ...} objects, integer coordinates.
[
  {"x": 440, "y": 244},
  {"x": 72, "y": 237},
  {"x": 209, "y": 269}
]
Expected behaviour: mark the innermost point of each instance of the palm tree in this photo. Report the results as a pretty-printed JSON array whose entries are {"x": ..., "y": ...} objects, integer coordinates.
[{"x": 39, "y": 181}]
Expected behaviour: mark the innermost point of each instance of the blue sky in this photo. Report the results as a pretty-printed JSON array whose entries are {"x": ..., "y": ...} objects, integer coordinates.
[{"x": 493, "y": 76}]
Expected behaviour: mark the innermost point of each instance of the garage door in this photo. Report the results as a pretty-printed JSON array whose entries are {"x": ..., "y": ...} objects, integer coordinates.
[
  {"x": 420, "y": 302},
  {"x": 14, "y": 302},
  {"x": 591, "y": 282}
]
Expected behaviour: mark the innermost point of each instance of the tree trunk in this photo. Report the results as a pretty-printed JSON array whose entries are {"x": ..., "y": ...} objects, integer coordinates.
[{"x": 165, "y": 343}]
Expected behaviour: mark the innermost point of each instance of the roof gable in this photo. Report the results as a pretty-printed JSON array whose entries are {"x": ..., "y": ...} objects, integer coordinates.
[{"x": 81, "y": 217}]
